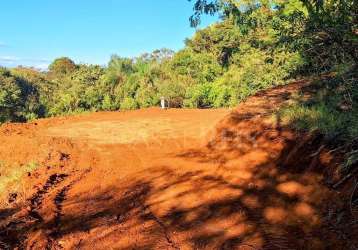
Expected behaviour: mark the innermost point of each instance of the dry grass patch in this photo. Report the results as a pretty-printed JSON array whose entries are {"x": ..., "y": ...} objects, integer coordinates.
[{"x": 11, "y": 186}]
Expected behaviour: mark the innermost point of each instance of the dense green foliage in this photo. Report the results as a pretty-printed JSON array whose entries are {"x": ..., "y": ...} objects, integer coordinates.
[
  {"x": 315, "y": 38},
  {"x": 62, "y": 66},
  {"x": 255, "y": 45},
  {"x": 332, "y": 110},
  {"x": 19, "y": 100}
]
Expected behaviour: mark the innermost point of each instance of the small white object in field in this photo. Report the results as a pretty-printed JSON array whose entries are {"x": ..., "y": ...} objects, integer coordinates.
[{"x": 162, "y": 102}]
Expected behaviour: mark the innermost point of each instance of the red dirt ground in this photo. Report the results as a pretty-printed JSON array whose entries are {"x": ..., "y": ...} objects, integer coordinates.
[{"x": 170, "y": 179}]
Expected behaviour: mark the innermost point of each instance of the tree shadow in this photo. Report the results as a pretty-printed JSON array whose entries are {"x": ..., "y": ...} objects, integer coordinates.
[{"x": 251, "y": 187}]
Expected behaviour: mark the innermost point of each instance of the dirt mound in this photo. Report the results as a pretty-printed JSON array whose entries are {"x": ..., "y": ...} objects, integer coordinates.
[{"x": 165, "y": 179}]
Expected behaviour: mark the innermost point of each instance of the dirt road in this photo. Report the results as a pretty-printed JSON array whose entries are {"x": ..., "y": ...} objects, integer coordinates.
[{"x": 166, "y": 179}]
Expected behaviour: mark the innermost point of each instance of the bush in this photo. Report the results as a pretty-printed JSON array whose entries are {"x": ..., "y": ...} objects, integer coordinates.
[
  {"x": 332, "y": 111},
  {"x": 147, "y": 96},
  {"x": 62, "y": 66},
  {"x": 108, "y": 103},
  {"x": 129, "y": 103},
  {"x": 173, "y": 91},
  {"x": 198, "y": 96},
  {"x": 19, "y": 100},
  {"x": 203, "y": 67},
  {"x": 222, "y": 95}
]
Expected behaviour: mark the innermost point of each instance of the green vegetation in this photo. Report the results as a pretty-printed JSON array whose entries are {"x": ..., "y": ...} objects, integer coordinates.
[
  {"x": 298, "y": 37},
  {"x": 331, "y": 110},
  {"x": 11, "y": 176},
  {"x": 19, "y": 99},
  {"x": 256, "y": 45}
]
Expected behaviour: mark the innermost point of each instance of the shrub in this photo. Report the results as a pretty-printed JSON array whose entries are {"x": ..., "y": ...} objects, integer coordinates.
[
  {"x": 128, "y": 103},
  {"x": 222, "y": 95},
  {"x": 146, "y": 96},
  {"x": 62, "y": 66},
  {"x": 332, "y": 110},
  {"x": 173, "y": 91},
  {"x": 19, "y": 100},
  {"x": 198, "y": 96},
  {"x": 108, "y": 103}
]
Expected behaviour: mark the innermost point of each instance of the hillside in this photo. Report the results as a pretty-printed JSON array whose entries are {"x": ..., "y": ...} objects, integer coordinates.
[
  {"x": 256, "y": 146},
  {"x": 173, "y": 179}
]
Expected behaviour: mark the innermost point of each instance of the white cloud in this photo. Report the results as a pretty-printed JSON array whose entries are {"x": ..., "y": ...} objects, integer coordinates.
[
  {"x": 9, "y": 59},
  {"x": 13, "y": 61},
  {"x": 42, "y": 66},
  {"x": 38, "y": 60}
]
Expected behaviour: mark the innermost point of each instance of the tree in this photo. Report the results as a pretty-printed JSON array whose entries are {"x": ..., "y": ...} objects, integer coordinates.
[
  {"x": 62, "y": 66},
  {"x": 200, "y": 67},
  {"x": 221, "y": 39},
  {"x": 19, "y": 100},
  {"x": 39, "y": 81}
]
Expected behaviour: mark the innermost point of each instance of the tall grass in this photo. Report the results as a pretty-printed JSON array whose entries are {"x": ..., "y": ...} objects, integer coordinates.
[
  {"x": 331, "y": 110},
  {"x": 10, "y": 180}
]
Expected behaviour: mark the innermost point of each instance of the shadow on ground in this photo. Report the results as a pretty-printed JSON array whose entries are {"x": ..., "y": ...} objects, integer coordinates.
[{"x": 253, "y": 186}]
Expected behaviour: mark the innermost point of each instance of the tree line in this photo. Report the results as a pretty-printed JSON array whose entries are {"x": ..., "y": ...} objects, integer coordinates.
[{"x": 256, "y": 44}]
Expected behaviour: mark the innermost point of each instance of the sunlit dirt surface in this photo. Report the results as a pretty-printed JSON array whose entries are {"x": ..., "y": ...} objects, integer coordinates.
[
  {"x": 141, "y": 126},
  {"x": 167, "y": 179}
]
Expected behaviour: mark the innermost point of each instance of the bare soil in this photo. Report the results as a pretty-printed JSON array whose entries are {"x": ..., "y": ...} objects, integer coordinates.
[{"x": 172, "y": 179}]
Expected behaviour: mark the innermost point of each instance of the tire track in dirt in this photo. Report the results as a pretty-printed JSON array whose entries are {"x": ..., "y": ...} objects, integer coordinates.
[
  {"x": 38, "y": 197},
  {"x": 58, "y": 202},
  {"x": 11, "y": 233},
  {"x": 234, "y": 192}
]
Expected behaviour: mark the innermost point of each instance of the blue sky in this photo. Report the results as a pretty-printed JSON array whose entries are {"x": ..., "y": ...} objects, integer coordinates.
[{"x": 34, "y": 32}]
